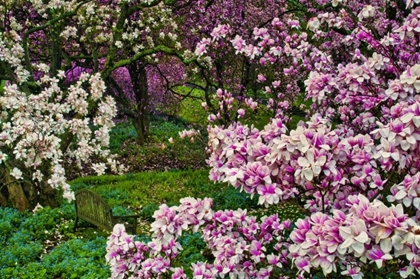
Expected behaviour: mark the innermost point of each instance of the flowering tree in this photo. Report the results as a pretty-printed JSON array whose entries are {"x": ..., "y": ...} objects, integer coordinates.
[
  {"x": 145, "y": 34},
  {"x": 46, "y": 117},
  {"x": 230, "y": 39},
  {"x": 145, "y": 88},
  {"x": 236, "y": 240},
  {"x": 58, "y": 56},
  {"x": 353, "y": 165}
]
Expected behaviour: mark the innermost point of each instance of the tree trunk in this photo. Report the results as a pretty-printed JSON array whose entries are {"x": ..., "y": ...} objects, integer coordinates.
[
  {"x": 56, "y": 55},
  {"x": 12, "y": 192},
  {"x": 141, "y": 121},
  {"x": 139, "y": 126},
  {"x": 23, "y": 195},
  {"x": 48, "y": 196}
]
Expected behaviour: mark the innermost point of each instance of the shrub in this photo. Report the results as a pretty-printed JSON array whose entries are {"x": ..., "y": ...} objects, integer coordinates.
[
  {"x": 20, "y": 253},
  {"x": 47, "y": 221},
  {"x": 10, "y": 220}
]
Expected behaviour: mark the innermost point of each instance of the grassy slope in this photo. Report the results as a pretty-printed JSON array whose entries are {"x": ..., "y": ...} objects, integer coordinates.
[
  {"x": 140, "y": 189},
  {"x": 190, "y": 109}
]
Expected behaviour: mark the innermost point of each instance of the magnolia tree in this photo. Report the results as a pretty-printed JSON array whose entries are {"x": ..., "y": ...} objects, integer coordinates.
[
  {"x": 146, "y": 35},
  {"x": 353, "y": 165},
  {"x": 103, "y": 36},
  {"x": 46, "y": 119},
  {"x": 230, "y": 39},
  {"x": 55, "y": 59}
]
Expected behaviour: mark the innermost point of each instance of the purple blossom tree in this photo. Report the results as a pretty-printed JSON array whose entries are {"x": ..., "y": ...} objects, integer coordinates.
[{"x": 353, "y": 164}]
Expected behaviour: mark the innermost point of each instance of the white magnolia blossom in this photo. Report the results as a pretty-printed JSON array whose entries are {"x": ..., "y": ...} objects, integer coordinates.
[
  {"x": 16, "y": 173},
  {"x": 34, "y": 127}
]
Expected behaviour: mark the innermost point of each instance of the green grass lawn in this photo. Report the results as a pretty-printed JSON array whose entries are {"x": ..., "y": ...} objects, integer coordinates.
[
  {"x": 138, "y": 190},
  {"x": 190, "y": 109}
]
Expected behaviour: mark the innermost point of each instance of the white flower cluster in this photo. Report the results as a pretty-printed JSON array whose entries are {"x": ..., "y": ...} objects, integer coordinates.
[
  {"x": 40, "y": 130},
  {"x": 12, "y": 52}
]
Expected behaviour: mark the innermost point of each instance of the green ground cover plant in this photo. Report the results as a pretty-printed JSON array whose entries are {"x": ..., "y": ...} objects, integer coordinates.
[{"x": 43, "y": 244}]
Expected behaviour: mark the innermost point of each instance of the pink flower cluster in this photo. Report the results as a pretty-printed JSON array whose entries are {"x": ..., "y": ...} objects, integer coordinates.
[
  {"x": 344, "y": 172},
  {"x": 225, "y": 105},
  {"x": 240, "y": 245},
  {"x": 277, "y": 166},
  {"x": 189, "y": 134},
  {"x": 369, "y": 232},
  {"x": 129, "y": 257}
]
